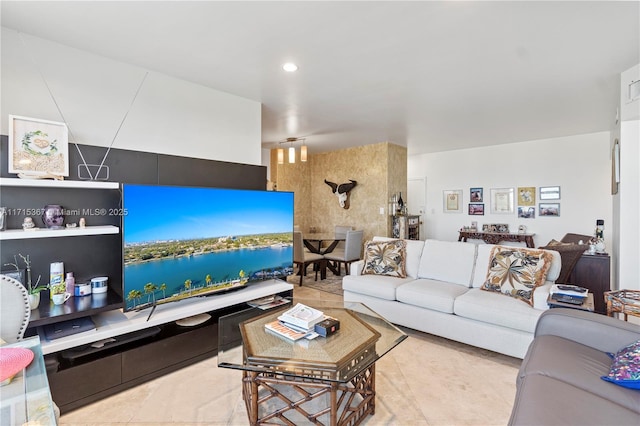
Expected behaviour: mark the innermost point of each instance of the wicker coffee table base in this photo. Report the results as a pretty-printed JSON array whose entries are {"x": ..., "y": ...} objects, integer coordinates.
[{"x": 273, "y": 399}]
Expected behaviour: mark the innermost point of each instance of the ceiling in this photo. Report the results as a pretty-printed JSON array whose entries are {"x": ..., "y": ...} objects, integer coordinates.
[{"x": 428, "y": 75}]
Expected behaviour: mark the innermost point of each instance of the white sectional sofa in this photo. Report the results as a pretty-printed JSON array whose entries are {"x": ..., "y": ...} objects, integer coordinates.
[{"x": 441, "y": 295}]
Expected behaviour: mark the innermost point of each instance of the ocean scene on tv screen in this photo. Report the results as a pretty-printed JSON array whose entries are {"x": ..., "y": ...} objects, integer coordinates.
[{"x": 182, "y": 242}]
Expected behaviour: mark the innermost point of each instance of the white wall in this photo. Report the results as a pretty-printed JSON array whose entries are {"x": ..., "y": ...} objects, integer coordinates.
[
  {"x": 580, "y": 165},
  {"x": 169, "y": 116},
  {"x": 627, "y": 205}
]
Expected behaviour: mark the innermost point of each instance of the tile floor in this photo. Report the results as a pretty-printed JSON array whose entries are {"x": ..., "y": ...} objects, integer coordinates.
[{"x": 426, "y": 380}]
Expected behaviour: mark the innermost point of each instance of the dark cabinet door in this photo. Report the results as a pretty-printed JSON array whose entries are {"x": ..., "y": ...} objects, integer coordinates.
[{"x": 594, "y": 272}]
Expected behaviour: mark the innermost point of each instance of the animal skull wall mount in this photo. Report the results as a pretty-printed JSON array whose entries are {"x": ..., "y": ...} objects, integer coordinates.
[{"x": 342, "y": 191}]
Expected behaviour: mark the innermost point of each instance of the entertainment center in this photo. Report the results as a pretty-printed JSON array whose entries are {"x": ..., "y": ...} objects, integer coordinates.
[{"x": 126, "y": 348}]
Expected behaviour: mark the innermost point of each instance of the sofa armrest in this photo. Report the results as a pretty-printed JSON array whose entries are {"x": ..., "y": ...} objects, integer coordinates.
[
  {"x": 600, "y": 332},
  {"x": 356, "y": 267},
  {"x": 541, "y": 296}
]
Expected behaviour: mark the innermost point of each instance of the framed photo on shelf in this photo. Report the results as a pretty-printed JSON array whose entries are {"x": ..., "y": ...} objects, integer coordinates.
[
  {"x": 15, "y": 274},
  {"x": 549, "y": 209},
  {"x": 38, "y": 147},
  {"x": 452, "y": 200},
  {"x": 476, "y": 209},
  {"x": 549, "y": 193},
  {"x": 475, "y": 195},
  {"x": 502, "y": 200},
  {"x": 527, "y": 196}
]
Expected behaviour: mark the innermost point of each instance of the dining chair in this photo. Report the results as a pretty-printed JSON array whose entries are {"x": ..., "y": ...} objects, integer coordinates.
[
  {"x": 340, "y": 231},
  {"x": 352, "y": 251},
  {"x": 304, "y": 258},
  {"x": 15, "y": 313}
]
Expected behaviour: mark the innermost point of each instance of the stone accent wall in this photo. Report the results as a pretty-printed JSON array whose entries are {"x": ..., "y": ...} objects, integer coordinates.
[{"x": 380, "y": 170}]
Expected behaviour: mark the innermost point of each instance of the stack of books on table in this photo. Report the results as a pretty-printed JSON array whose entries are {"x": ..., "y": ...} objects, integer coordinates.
[
  {"x": 296, "y": 323},
  {"x": 567, "y": 295}
]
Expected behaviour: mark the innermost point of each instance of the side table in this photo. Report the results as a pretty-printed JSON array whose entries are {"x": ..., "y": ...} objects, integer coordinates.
[
  {"x": 625, "y": 302},
  {"x": 497, "y": 237}
]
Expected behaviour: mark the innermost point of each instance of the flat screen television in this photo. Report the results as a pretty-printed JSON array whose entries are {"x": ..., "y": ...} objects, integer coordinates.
[{"x": 181, "y": 242}]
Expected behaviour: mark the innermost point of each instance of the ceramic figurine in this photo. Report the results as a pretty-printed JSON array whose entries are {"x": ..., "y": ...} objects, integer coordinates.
[{"x": 28, "y": 224}]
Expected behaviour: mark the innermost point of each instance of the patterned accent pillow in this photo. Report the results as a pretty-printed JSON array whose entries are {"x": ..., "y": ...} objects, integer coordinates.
[
  {"x": 385, "y": 258},
  {"x": 625, "y": 369},
  {"x": 517, "y": 272}
]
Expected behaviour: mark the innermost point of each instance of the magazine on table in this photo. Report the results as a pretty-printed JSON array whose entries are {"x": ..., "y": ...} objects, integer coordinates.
[
  {"x": 569, "y": 290},
  {"x": 277, "y": 328},
  {"x": 268, "y": 302},
  {"x": 302, "y": 316}
]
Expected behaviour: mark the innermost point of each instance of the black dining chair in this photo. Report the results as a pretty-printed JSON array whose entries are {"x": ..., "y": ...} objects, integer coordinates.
[{"x": 304, "y": 258}]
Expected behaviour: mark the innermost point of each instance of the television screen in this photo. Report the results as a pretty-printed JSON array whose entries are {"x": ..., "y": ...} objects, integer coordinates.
[{"x": 182, "y": 242}]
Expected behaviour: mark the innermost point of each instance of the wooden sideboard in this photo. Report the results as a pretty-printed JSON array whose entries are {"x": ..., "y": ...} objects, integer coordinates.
[
  {"x": 497, "y": 237},
  {"x": 593, "y": 271}
]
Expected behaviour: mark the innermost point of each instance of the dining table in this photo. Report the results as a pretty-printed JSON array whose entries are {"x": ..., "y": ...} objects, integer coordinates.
[{"x": 315, "y": 241}]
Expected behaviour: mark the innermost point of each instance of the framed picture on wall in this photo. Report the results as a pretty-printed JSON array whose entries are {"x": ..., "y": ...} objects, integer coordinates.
[
  {"x": 549, "y": 193},
  {"x": 527, "y": 196},
  {"x": 475, "y": 195},
  {"x": 38, "y": 147},
  {"x": 452, "y": 200},
  {"x": 525, "y": 212},
  {"x": 502, "y": 200},
  {"x": 549, "y": 209},
  {"x": 476, "y": 209}
]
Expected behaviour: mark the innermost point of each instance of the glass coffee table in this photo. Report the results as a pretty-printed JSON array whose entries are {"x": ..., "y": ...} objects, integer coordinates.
[{"x": 327, "y": 380}]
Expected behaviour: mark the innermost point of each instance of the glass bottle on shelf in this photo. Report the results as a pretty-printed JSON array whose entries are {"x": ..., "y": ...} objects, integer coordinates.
[{"x": 400, "y": 204}]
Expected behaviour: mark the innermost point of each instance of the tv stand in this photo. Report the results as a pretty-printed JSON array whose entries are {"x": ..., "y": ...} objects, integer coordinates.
[{"x": 80, "y": 373}]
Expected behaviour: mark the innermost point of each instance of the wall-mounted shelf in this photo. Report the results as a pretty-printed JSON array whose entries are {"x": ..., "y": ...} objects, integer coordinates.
[
  {"x": 20, "y": 234},
  {"x": 47, "y": 183}
]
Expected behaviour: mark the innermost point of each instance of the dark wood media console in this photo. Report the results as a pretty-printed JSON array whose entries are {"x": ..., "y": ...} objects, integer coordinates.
[{"x": 84, "y": 374}]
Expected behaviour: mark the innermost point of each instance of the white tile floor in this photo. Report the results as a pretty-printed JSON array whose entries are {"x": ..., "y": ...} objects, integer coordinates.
[{"x": 426, "y": 380}]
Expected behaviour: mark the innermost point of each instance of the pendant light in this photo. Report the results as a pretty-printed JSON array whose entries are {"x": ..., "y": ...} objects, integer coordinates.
[{"x": 291, "y": 155}]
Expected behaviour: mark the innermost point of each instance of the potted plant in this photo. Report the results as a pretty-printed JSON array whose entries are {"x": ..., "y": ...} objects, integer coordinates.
[{"x": 33, "y": 290}]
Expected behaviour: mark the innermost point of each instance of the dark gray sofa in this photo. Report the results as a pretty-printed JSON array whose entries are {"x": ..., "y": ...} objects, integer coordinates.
[{"x": 559, "y": 381}]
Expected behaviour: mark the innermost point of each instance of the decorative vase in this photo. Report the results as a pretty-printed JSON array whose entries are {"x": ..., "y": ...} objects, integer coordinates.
[
  {"x": 53, "y": 216},
  {"x": 34, "y": 301}
]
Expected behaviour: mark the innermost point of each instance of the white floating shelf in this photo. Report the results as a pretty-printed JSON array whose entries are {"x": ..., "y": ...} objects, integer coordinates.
[
  {"x": 48, "y": 183},
  {"x": 19, "y": 234}
]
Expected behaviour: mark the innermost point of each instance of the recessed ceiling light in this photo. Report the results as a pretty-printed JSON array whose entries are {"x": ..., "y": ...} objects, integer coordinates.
[{"x": 290, "y": 67}]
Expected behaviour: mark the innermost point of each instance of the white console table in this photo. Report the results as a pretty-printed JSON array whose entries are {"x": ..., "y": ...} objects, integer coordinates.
[{"x": 115, "y": 323}]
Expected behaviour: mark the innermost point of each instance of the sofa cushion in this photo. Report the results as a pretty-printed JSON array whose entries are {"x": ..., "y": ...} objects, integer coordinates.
[
  {"x": 385, "y": 258},
  {"x": 380, "y": 286},
  {"x": 543, "y": 400},
  {"x": 430, "y": 294},
  {"x": 495, "y": 309},
  {"x": 414, "y": 251},
  {"x": 483, "y": 257},
  {"x": 449, "y": 261},
  {"x": 517, "y": 272},
  {"x": 625, "y": 368},
  {"x": 575, "y": 364}
]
